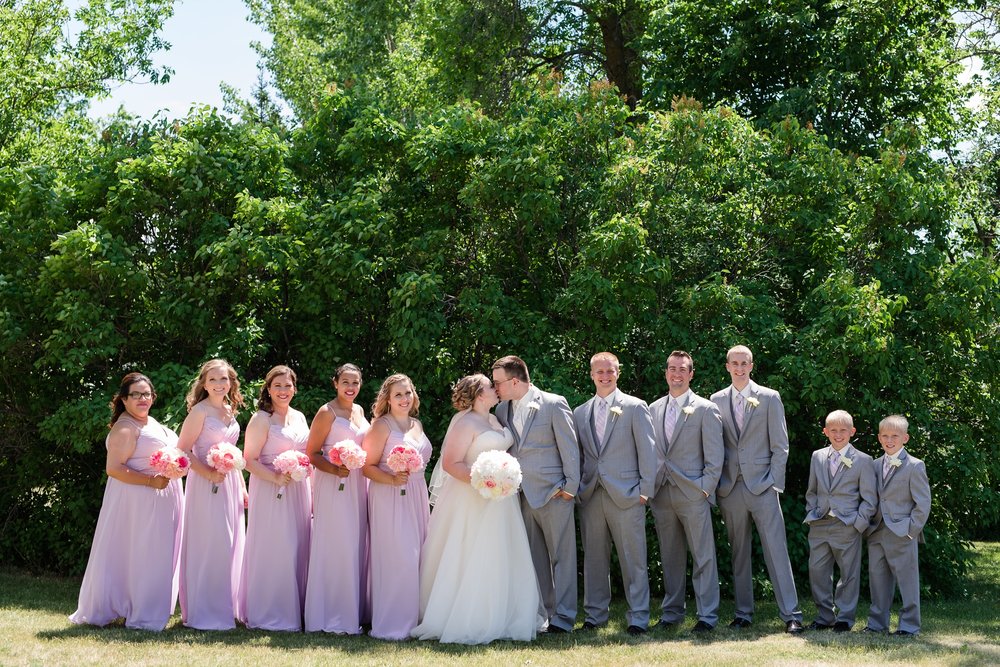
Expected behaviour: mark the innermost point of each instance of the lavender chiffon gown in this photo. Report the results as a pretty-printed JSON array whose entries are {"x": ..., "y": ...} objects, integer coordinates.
[
  {"x": 337, "y": 594},
  {"x": 214, "y": 536},
  {"x": 276, "y": 558},
  {"x": 133, "y": 565},
  {"x": 397, "y": 525}
]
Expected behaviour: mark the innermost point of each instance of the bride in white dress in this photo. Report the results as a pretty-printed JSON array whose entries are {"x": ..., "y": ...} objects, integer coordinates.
[{"x": 477, "y": 582}]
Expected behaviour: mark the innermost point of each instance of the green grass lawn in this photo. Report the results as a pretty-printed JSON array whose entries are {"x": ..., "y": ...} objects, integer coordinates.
[{"x": 34, "y": 631}]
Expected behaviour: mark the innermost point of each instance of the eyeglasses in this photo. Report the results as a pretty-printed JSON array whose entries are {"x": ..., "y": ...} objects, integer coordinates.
[
  {"x": 497, "y": 383},
  {"x": 140, "y": 395}
]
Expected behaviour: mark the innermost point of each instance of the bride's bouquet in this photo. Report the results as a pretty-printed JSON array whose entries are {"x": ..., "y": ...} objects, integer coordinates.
[
  {"x": 346, "y": 453},
  {"x": 169, "y": 462},
  {"x": 404, "y": 458},
  {"x": 294, "y": 463},
  {"x": 496, "y": 475},
  {"x": 225, "y": 458}
]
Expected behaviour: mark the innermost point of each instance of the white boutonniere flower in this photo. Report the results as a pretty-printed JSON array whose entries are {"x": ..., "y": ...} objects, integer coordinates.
[
  {"x": 895, "y": 462},
  {"x": 753, "y": 402},
  {"x": 534, "y": 405},
  {"x": 616, "y": 410},
  {"x": 846, "y": 461},
  {"x": 688, "y": 410}
]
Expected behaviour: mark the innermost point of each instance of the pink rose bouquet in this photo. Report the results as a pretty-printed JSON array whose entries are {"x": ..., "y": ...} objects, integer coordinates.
[
  {"x": 294, "y": 463},
  {"x": 346, "y": 453},
  {"x": 404, "y": 458},
  {"x": 170, "y": 462},
  {"x": 225, "y": 458},
  {"x": 496, "y": 475}
]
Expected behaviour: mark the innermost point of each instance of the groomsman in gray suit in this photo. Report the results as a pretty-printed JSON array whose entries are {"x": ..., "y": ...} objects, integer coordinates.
[
  {"x": 546, "y": 447},
  {"x": 617, "y": 477},
  {"x": 689, "y": 453},
  {"x": 904, "y": 503},
  {"x": 753, "y": 475}
]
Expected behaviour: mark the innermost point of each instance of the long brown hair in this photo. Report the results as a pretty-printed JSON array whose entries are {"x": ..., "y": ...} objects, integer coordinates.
[
  {"x": 197, "y": 393},
  {"x": 117, "y": 403},
  {"x": 264, "y": 403},
  {"x": 381, "y": 405}
]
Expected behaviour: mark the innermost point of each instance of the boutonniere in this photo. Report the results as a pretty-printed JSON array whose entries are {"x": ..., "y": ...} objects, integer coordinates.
[
  {"x": 846, "y": 461},
  {"x": 688, "y": 410},
  {"x": 753, "y": 402},
  {"x": 616, "y": 410},
  {"x": 895, "y": 462},
  {"x": 533, "y": 405}
]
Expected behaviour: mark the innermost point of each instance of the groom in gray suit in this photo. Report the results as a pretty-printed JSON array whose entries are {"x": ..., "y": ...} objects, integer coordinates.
[
  {"x": 753, "y": 475},
  {"x": 545, "y": 445},
  {"x": 689, "y": 453},
  {"x": 618, "y": 472}
]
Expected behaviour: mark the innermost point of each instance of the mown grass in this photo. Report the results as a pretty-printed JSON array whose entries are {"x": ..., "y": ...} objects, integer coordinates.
[{"x": 34, "y": 631}]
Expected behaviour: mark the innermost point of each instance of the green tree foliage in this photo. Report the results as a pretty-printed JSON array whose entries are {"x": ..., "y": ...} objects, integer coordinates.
[
  {"x": 851, "y": 69},
  {"x": 52, "y": 57},
  {"x": 554, "y": 229}
]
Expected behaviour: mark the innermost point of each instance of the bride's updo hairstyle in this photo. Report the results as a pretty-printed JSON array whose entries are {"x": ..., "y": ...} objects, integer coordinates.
[{"x": 466, "y": 390}]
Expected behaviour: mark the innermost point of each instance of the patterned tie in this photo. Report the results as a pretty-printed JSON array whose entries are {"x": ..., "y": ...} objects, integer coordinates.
[
  {"x": 740, "y": 413},
  {"x": 601, "y": 420},
  {"x": 834, "y": 462},
  {"x": 670, "y": 420},
  {"x": 886, "y": 467}
]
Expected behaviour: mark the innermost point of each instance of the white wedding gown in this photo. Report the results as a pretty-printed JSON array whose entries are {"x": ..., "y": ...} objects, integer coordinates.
[{"x": 477, "y": 582}]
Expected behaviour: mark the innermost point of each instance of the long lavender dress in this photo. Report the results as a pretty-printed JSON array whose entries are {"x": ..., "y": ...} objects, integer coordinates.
[
  {"x": 214, "y": 534},
  {"x": 132, "y": 570},
  {"x": 397, "y": 525},
  {"x": 338, "y": 555},
  {"x": 275, "y": 562}
]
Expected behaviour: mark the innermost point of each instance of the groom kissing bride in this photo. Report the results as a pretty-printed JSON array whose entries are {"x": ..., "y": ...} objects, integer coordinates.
[{"x": 545, "y": 445}]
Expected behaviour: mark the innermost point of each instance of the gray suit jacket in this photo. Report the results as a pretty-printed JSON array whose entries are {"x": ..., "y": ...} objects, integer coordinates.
[
  {"x": 547, "y": 449},
  {"x": 692, "y": 460},
  {"x": 761, "y": 450},
  {"x": 904, "y": 498},
  {"x": 851, "y": 495},
  {"x": 625, "y": 461}
]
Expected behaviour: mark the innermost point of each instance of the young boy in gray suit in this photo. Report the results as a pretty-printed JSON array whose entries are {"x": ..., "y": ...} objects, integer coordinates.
[
  {"x": 840, "y": 501},
  {"x": 904, "y": 503}
]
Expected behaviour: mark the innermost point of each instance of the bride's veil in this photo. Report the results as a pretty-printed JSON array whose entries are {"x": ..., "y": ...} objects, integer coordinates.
[{"x": 439, "y": 477}]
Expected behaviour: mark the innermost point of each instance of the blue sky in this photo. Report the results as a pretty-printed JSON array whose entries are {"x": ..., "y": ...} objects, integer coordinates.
[{"x": 210, "y": 43}]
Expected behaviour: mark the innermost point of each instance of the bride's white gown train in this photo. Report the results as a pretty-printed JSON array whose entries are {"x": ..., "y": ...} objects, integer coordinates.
[{"x": 477, "y": 582}]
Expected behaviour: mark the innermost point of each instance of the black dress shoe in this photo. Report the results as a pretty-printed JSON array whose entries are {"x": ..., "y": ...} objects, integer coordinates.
[
  {"x": 740, "y": 623},
  {"x": 556, "y": 630},
  {"x": 841, "y": 626},
  {"x": 816, "y": 625},
  {"x": 665, "y": 625},
  {"x": 793, "y": 627},
  {"x": 636, "y": 630},
  {"x": 587, "y": 625},
  {"x": 701, "y": 627},
  {"x": 903, "y": 633},
  {"x": 873, "y": 631}
]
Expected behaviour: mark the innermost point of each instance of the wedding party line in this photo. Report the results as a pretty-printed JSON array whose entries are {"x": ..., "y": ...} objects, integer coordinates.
[{"x": 334, "y": 532}]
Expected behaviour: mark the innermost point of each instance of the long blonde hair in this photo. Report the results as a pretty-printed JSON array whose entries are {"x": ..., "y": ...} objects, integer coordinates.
[
  {"x": 381, "y": 405},
  {"x": 197, "y": 393}
]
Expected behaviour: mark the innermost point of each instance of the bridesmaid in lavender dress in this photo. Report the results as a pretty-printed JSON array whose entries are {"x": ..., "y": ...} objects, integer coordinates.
[
  {"x": 276, "y": 557},
  {"x": 214, "y": 531},
  {"x": 397, "y": 523},
  {"x": 337, "y": 593},
  {"x": 132, "y": 571}
]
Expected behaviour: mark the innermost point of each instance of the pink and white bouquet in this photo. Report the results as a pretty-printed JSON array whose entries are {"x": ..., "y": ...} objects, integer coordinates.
[
  {"x": 225, "y": 458},
  {"x": 170, "y": 462},
  {"x": 294, "y": 463},
  {"x": 404, "y": 458},
  {"x": 496, "y": 475},
  {"x": 346, "y": 453}
]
